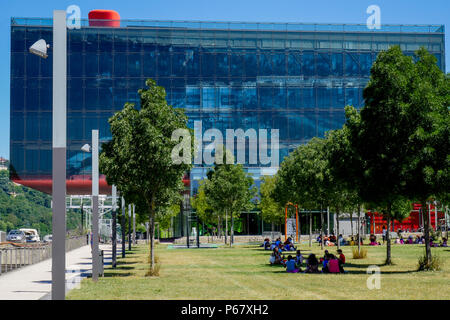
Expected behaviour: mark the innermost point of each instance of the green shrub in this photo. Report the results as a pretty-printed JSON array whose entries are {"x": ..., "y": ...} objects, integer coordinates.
[
  {"x": 359, "y": 255},
  {"x": 154, "y": 272},
  {"x": 434, "y": 265}
]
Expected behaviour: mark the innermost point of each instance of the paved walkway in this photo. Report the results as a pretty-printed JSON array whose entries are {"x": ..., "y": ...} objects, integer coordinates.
[{"x": 34, "y": 282}]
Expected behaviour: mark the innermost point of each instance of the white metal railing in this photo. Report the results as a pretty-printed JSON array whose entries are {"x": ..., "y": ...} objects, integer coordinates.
[{"x": 14, "y": 258}]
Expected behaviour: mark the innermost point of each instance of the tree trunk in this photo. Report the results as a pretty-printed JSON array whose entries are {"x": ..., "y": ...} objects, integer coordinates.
[
  {"x": 359, "y": 228},
  {"x": 321, "y": 227},
  {"x": 310, "y": 228},
  {"x": 446, "y": 221},
  {"x": 337, "y": 226},
  {"x": 152, "y": 233},
  {"x": 351, "y": 223},
  {"x": 226, "y": 225},
  {"x": 299, "y": 228},
  {"x": 388, "y": 236},
  {"x": 426, "y": 231},
  {"x": 232, "y": 230},
  {"x": 219, "y": 229}
]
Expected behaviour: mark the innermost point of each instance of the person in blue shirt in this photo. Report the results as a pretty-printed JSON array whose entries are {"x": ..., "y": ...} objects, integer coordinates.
[
  {"x": 291, "y": 266},
  {"x": 278, "y": 242}
]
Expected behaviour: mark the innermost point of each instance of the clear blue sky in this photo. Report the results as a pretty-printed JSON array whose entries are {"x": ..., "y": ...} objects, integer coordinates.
[{"x": 319, "y": 11}]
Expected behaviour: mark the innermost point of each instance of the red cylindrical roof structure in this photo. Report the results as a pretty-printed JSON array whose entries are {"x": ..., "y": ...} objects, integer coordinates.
[{"x": 104, "y": 18}]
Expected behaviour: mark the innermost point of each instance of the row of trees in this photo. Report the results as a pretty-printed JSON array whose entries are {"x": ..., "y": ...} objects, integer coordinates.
[
  {"x": 392, "y": 152},
  {"x": 395, "y": 150}
]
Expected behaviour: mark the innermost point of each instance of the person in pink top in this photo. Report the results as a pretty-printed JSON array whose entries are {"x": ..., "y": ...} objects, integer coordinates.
[{"x": 333, "y": 264}]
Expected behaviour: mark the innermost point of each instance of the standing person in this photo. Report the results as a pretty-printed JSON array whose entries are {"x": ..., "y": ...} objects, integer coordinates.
[{"x": 384, "y": 234}]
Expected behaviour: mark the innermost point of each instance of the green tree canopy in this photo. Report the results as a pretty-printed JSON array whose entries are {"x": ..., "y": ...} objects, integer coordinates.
[
  {"x": 138, "y": 158},
  {"x": 230, "y": 190},
  {"x": 271, "y": 210}
]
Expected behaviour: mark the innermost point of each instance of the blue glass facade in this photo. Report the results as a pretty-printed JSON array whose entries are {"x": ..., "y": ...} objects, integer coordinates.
[{"x": 295, "y": 78}]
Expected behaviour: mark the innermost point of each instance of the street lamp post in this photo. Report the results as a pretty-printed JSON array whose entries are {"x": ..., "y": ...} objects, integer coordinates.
[
  {"x": 95, "y": 233},
  {"x": 95, "y": 254},
  {"x": 59, "y": 155},
  {"x": 114, "y": 226},
  {"x": 123, "y": 226},
  {"x": 129, "y": 227},
  {"x": 134, "y": 224}
]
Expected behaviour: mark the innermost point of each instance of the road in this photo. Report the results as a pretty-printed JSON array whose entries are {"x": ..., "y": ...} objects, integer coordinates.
[{"x": 34, "y": 282}]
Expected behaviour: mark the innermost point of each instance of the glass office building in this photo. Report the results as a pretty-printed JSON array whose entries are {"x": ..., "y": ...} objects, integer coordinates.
[{"x": 293, "y": 77}]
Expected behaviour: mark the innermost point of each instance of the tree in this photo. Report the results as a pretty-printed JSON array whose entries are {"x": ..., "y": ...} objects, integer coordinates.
[
  {"x": 304, "y": 178},
  {"x": 397, "y": 133},
  {"x": 203, "y": 209},
  {"x": 427, "y": 140},
  {"x": 138, "y": 159},
  {"x": 374, "y": 136},
  {"x": 343, "y": 195},
  {"x": 228, "y": 187},
  {"x": 271, "y": 210}
]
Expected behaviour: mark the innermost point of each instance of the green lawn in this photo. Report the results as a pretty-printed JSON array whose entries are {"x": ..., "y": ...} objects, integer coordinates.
[{"x": 243, "y": 272}]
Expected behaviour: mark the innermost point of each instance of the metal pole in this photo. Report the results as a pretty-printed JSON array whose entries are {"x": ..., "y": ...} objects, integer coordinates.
[
  {"x": 82, "y": 217},
  {"x": 129, "y": 226},
  {"x": 435, "y": 216},
  {"x": 198, "y": 234},
  {"x": 429, "y": 217},
  {"x": 187, "y": 230},
  {"x": 328, "y": 221},
  {"x": 134, "y": 224},
  {"x": 59, "y": 155},
  {"x": 114, "y": 227},
  {"x": 310, "y": 228},
  {"x": 123, "y": 228},
  {"x": 95, "y": 234}
]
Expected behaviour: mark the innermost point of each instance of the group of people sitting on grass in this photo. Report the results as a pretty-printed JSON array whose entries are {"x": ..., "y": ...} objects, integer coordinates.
[
  {"x": 434, "y": 242},
  {"x": 418, "y": 239},
  {"x": 329, "y": 263},
  {"x": 288, "y": 245},
  {"x": 332, "y": 240}
]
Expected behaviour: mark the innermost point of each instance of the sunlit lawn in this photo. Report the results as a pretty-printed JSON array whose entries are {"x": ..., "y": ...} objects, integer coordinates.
[{"x": 243, "y": 272}]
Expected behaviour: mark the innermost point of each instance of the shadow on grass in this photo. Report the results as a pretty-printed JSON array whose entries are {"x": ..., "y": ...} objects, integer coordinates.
[
  {"x": 110, "y": 274},
  {"x": 126, "y": 262},
  {"x": 119, "y": 267}
]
